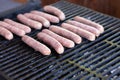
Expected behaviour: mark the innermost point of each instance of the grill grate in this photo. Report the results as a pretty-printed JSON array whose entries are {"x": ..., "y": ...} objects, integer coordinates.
[{"x": 98, "y": 60}]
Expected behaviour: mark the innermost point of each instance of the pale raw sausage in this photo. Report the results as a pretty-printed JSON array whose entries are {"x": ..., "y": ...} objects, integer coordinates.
[
  {"x": 29, "y": 22},
  {"x": 55, "y": 11},
  {"x": 41, "y": 19},
  {"x": 49, "y": 17},
  {"x": 66, "y": 33},
  {"x": 85, "y": 27},
  {"x": 88, "y": 35},
  {"x": 6, "y": 33},
  {"x": 88, "y": 22},
  {"x": 64, "y": 41},
  {"x": 13, "y": 29},
  {"x": 18, "y": 25},
  {"x": 36, "y": 45},
  {"x": 51, "y": 41}
]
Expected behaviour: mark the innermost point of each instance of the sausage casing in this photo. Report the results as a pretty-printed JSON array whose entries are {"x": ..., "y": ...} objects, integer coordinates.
[
  {"x": 66, "y": 33},
  {"x": 55, "y": 11},
  {"x": 64, "y": 41},
  {"x": 85, "y": 27},
  {"x": 88, "y": 35},
  {"x": 29, "y": 22},
  {"x": 51, "y": 41},
  {"x": 36, "y": 45},
  {"x": 49, "y": 17},
  {"x": 13, "y": 29},
  {"x": 41, "y": 19},
  {"x": 18, "y": 25},
  {"x": 88, "y": 22},
  {"x": 6, "y": 33}
]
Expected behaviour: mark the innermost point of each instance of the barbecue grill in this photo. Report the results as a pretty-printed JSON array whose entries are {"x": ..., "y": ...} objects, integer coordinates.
[{"x": 97, "y": 60}]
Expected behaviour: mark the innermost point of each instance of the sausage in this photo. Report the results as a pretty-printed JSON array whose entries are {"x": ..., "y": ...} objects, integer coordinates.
[
  {"x": 13, "y": 29},
  {"x": 18, "y": 25},
  {"x": 55, "y": 11},
  {"x": 41, "y": 19},
  {"x": 6, "y": 33},
  {"x": 85, "y": 27},
  {"x": 36, "y": 45},
  {"x": 49, "y": 17},
  {"x": 88, "y": 35},
  {"x": 88, "y": 22},
  {"x": 29, "y": 22},
  {"x": 66, "y": 33},
  {"x": 64, "y": 41},
  {"x": 51, "y": 41}
]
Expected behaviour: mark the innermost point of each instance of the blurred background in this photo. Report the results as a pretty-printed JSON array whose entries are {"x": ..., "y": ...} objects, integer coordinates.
[{"x": 110, "y": 7}]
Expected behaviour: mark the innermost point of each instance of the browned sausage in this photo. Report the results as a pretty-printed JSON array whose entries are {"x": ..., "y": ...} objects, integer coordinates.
[
  {"x": 36, "y": 45},
  {"x": 64, "y": 41},
  {"x": 85, "y": 27},
  {"x": 18, "y": 25},
  {"x": 88, "y": 35},
  {"x": 55, "y": 11},
  {"x": 13, "y": 29},
  {"x": 51, "y": 41},
  {"x": 29, "y": 22},
  {"x": 49, "y": 17},
  {"x": 6, "y": 33},
  {"x": 88, "y": 22},
  {"x": 41, "y": 19},
  {"x": 66, "y": 33}
]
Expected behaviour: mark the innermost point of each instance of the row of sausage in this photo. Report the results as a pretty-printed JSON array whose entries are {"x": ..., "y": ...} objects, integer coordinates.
[
  {"x": 58, "y": 37},
  {"x": 66, "y": 35},
  {"x": 34, "y": 19}
]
